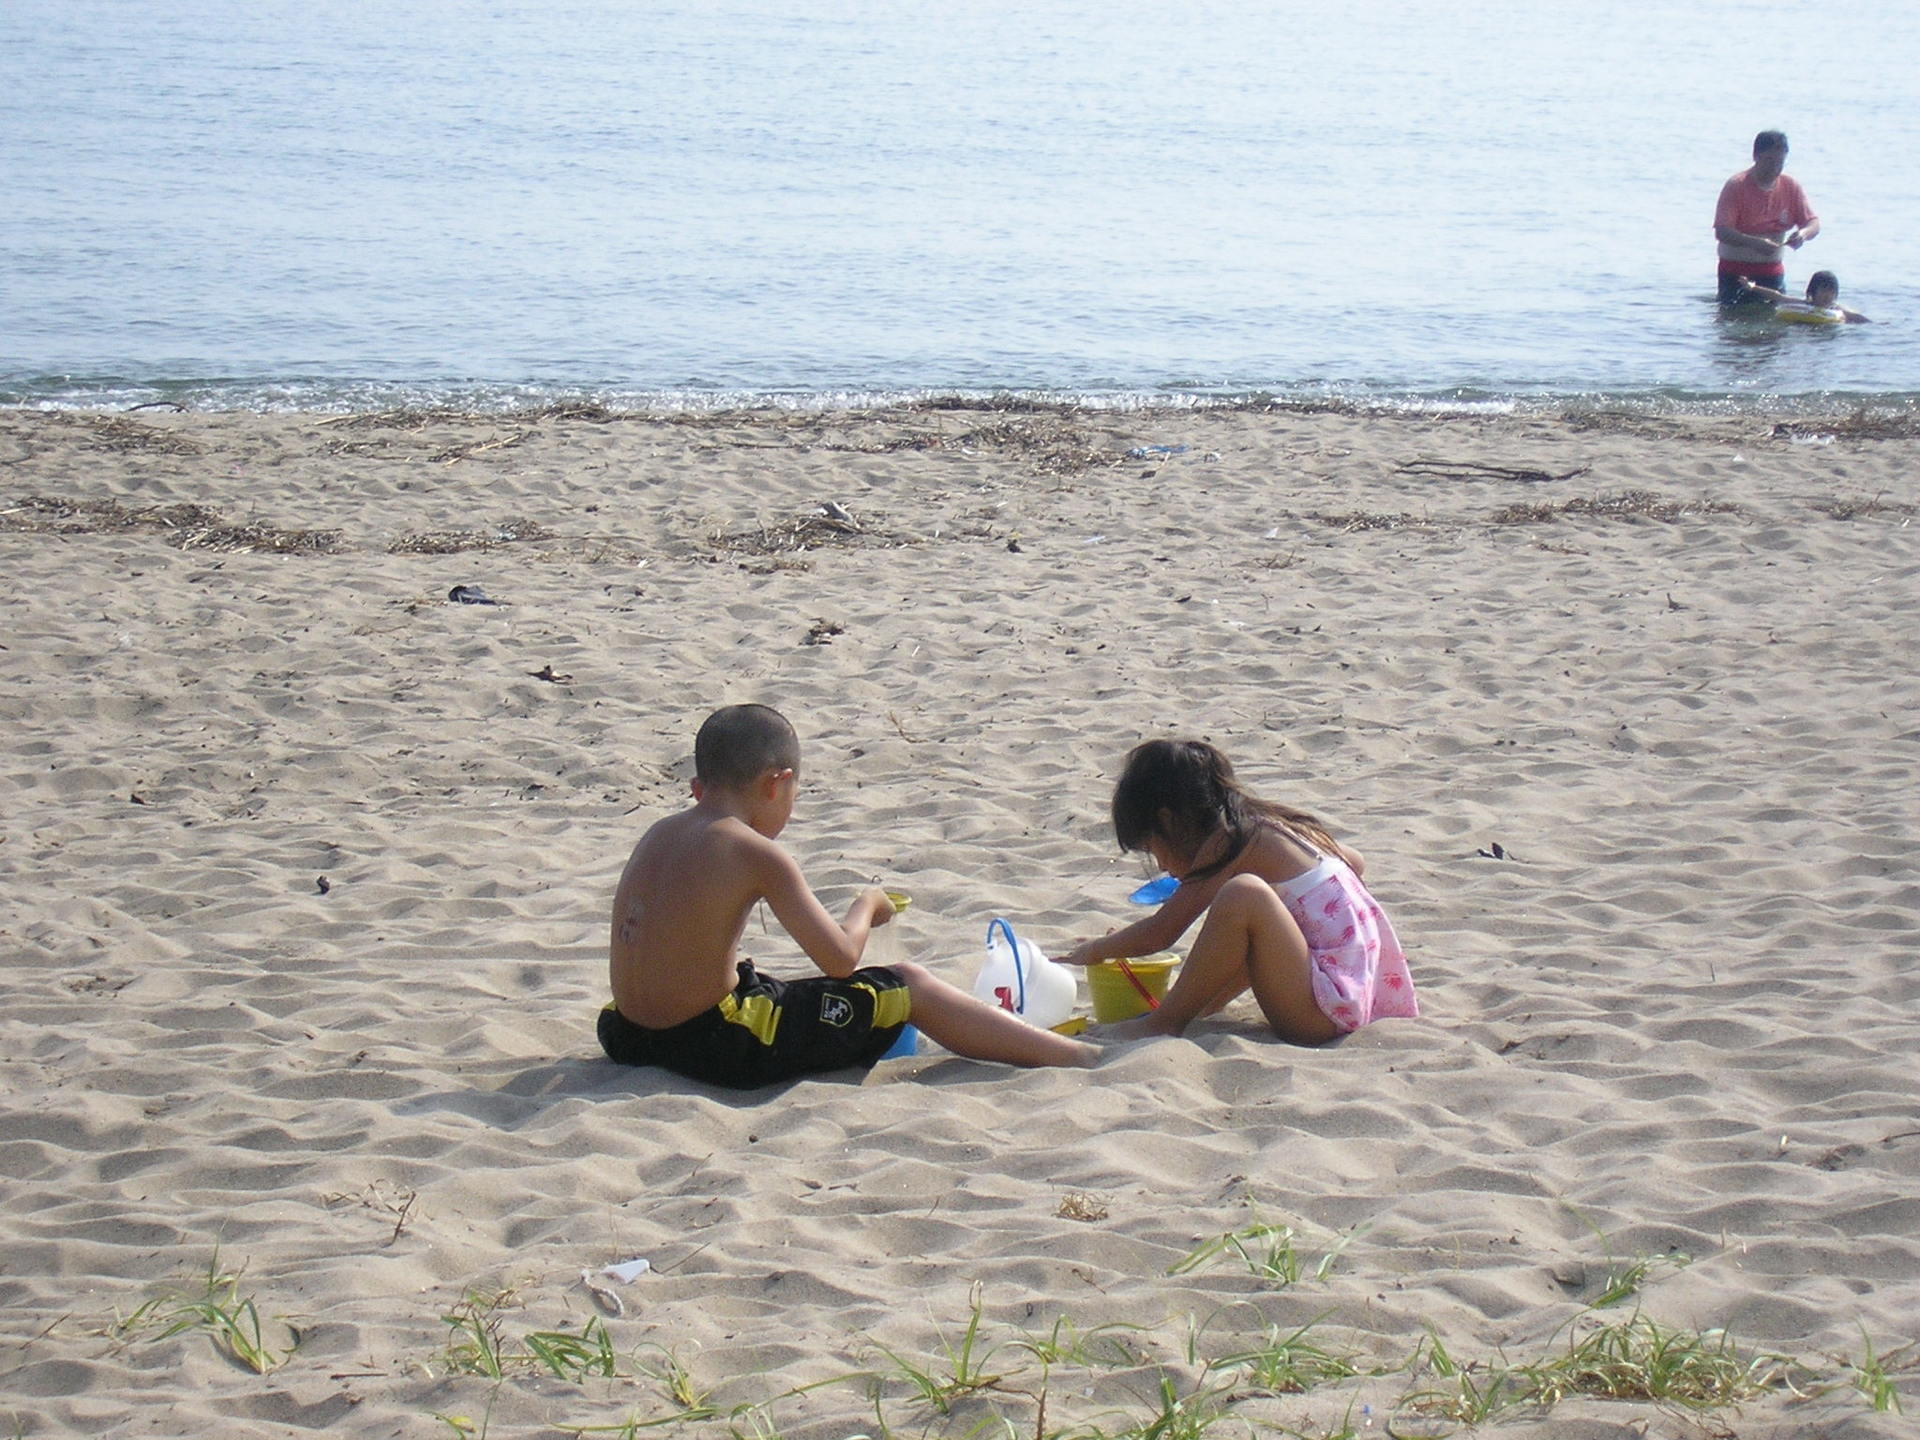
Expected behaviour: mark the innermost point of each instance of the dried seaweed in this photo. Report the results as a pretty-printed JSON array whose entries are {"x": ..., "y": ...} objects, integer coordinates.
[
  {"x": 454, "y": 542},
  {"x": 1352, "y": 520},
  {"x": 1474, "y": 470},
  {"x": 1874, "y": 508},
  {"x": 266, "y": 539},
  {"x": 471, "y": 448},
  {"x": 53, "y": 515},
  {"x": 402, "y": 419},
  {"x": 1623, "y": 505},
  {"x": 185, "y": 526},
  {"x": 1046, "y": 438},
  {"x": 1863, "y": 424},
  {"x": 1007, "y": 404},
  {"x": 811, "y": 531},
  {"x": 581, "y": 410},
  {"x": 123, "y": 436},
  {"x": 1627, "y": 422}
]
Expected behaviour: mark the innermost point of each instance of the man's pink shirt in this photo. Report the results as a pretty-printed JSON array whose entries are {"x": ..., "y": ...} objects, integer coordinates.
[{"x": 1752, "y": 211}]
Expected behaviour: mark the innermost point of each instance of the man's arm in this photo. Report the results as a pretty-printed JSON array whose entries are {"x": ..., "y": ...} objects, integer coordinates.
[
  {"x": 834, "y": 946},
  {"x": 1760, "y": 247}
]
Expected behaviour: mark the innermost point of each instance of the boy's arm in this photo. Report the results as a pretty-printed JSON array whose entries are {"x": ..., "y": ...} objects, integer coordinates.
[
  {"x": 834, "y": 946},
  {"x": 1746, "y": 284}
]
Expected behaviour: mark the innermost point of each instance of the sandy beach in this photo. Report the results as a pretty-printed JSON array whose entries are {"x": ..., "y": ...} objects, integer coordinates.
[{"x": 304, "y": 870}]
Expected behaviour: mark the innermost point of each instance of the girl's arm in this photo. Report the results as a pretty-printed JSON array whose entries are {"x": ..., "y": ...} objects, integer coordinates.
[{"x": 1154, "y": 932}]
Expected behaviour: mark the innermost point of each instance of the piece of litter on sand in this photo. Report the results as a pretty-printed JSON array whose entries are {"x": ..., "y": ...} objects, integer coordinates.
[
  {"x": 470, "y": 595},
  {"x": 1142, "y": 452},
  {"x": 625, "y": 1274}
]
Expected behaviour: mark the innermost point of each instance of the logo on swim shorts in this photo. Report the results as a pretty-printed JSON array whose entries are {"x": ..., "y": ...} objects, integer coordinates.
[{"x": 835, "y": 1010}]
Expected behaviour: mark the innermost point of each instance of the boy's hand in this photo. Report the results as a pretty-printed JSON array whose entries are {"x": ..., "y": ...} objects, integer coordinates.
[{"x": 880, "y": 908}]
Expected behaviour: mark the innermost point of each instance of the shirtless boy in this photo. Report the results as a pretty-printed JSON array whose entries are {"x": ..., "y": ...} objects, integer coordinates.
[{"x": 685, "y": 1000}]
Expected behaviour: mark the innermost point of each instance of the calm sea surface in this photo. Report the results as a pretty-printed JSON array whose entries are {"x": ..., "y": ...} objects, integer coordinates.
[{"x": 332, "y": 203}]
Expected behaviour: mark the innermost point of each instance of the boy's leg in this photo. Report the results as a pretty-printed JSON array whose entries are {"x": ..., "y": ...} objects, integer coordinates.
[
  {"x": 971, "y": 1027},
  {"x": 1248, "y": 939}
]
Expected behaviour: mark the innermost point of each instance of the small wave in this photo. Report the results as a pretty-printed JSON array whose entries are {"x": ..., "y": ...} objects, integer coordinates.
[{"x": 327, "y": 395}]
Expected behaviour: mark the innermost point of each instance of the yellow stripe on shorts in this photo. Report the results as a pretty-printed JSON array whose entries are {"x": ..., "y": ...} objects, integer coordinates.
[
  {"x": 759, "y": 1015},
  {"x": 890, "y": 1007}
]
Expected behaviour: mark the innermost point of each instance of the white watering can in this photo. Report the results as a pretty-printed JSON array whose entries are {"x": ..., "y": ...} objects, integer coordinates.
[{"x": 1017, "y": 977}]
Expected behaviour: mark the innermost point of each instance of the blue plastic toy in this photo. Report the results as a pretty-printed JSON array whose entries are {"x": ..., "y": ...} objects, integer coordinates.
[{"x": 1154, "y": 891}]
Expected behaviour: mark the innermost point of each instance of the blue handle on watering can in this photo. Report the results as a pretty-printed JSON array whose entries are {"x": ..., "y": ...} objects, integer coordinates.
[{"x": 1013, "y": 947}]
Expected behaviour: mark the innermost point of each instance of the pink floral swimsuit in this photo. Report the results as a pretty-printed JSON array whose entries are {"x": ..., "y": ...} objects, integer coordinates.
[{"x": 1359, "y": 971}]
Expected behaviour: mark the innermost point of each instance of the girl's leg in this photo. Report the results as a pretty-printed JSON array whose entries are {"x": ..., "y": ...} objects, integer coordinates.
[
  {"x": 971, "y": 1027},
  {"x": 1248, "y": 940}
]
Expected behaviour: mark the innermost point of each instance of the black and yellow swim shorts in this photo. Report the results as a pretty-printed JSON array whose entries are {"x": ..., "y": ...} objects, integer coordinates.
[{"x": 769, "y": 1030}]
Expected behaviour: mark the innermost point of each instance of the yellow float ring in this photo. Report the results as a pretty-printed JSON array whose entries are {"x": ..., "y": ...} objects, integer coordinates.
[{"x": 1798, "y": 312}]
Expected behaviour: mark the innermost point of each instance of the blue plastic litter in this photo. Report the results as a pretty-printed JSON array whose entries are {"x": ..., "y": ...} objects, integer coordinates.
[{"x": 907, "y": 1042}]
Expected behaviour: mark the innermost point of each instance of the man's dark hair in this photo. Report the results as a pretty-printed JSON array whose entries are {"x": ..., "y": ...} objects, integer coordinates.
[
  {"x": 1769, "y": 140},
  {"x": 739, "y": 744}
]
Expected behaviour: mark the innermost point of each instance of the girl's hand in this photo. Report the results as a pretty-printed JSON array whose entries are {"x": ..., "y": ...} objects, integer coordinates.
[{"x": 880, "y": 908}]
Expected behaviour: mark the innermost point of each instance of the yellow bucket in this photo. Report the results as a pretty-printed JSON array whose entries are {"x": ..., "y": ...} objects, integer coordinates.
[{"x": 1114, "y": 997}]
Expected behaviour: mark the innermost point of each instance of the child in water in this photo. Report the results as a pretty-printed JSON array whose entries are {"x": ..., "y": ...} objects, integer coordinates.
[
  {"x": 1823, "y": 293},
  {"x": 1287, "y": 916}
]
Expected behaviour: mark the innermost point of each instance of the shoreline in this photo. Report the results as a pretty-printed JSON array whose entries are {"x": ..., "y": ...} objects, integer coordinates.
[
  {"x": 1619, "y": 712},
  {"x": 1899, "y": 410}
]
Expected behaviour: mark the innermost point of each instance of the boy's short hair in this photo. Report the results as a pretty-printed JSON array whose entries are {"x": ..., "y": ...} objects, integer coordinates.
[
  {"x": 740, "y": 743},
  {"x": 1769, "y": 140},
  {"x": 1821, "y": 278}
]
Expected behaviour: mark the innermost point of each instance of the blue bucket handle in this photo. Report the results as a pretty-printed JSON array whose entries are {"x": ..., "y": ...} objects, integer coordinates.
[{"x": 1013, "y": 946}]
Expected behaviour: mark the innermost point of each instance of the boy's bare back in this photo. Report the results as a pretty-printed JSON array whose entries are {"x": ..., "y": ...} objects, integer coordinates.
[{"x": 678, "y": 913}]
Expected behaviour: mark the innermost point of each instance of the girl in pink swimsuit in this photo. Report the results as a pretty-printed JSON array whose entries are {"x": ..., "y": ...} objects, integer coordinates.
[{"x": 1287, "y": 915}]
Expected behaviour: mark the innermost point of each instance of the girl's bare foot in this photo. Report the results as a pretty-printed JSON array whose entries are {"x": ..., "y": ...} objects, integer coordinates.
[{"x": 1141, "y": 1027}]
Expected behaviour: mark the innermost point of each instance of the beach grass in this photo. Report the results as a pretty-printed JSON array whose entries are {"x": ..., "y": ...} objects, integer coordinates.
[
  {"x": 230, "y": 1320},
  {"x": 1111, "y": 1380}
]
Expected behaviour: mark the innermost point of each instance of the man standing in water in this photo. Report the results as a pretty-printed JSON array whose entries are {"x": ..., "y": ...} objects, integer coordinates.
[{"x": 1761, "y": 213}]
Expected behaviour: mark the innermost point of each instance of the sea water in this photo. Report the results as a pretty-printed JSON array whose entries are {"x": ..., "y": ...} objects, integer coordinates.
[{"x": 332, "y": 203}]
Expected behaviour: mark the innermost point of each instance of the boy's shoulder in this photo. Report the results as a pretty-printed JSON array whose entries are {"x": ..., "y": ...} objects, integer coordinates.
[{"x": 698, "y": 836}]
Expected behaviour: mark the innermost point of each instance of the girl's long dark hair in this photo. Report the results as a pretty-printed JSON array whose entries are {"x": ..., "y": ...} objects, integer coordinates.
[{"x": 1184, "y": 792}]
